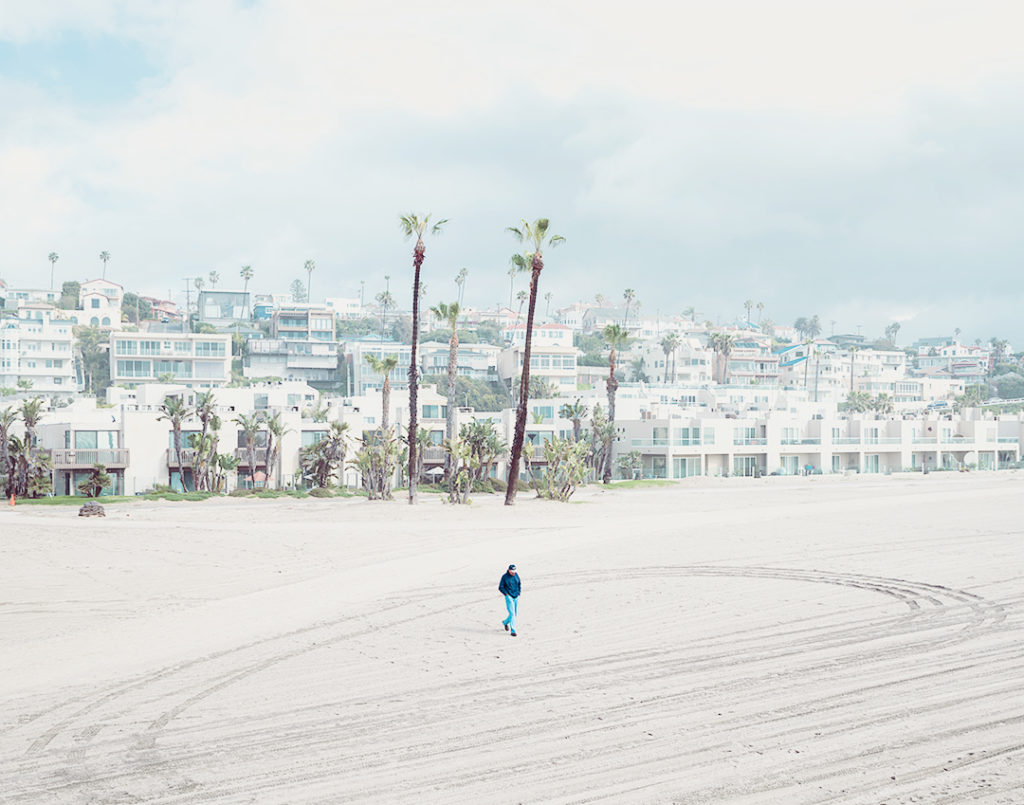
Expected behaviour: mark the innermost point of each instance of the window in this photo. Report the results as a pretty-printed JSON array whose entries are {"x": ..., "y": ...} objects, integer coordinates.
[
  {"x": 709, "y": 435},
  {"x": 430, "y": 411},
  {"x": 183, "y": 347},
  {"x": 94, "y": 303},
  {"x": 125, "y": 347},
  {"x": 210, "y": 349},
  {"x": 311, "y": 437},
  {"x": 134, "y": 369}
]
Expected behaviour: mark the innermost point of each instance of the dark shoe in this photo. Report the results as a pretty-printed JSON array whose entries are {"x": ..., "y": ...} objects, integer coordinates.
[
  {"x": 506, "y": 626},
  {"x": 513, "y": 634}
]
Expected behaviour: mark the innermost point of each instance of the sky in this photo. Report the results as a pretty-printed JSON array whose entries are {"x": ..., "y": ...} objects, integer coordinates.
[{"x": 859, "y": 161}]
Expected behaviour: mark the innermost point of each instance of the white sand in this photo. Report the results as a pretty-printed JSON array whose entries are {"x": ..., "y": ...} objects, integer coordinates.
[{"x": 800, "y": 640}]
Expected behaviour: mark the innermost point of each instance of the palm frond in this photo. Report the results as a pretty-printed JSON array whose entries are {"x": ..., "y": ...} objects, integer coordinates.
[
  {"x": 436, "y": 228},
  {"x": 517, "y": 232},
  {"x": 556, "y": 240}
]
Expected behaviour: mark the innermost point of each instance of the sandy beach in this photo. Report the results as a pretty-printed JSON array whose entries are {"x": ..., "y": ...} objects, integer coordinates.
[{"x": 781, "y": 640}]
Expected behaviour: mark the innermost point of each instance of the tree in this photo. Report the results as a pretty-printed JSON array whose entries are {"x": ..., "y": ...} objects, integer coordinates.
[
  {"x": 857, "y": 402},
  {"x": 70, "y": 290},
  {"x": 760, "y": 309},
  {"x": 53, "y": 258},
  {"x": 521, "y": 297},
  {"x": 174, "y": 410},
  {"x": 450, "y": 313},
  {"x": 199, "y": 282},
  {"x": 814, "y": 326},
  {"x": 721, "y": 345},
  {"x": 883, "y": 404},
  {"x": 276, "y": 431},
  {"x": 669, "y": 344},
  {"x": 251, "y": 424},
  {"x": 890, "y": 332},
  {"x": 31, "y": 413},
  {"x": 105, "y": 257},
  {"x": 309, "y": 265},
  {"x": 246, "y": 274},
  {"x": 576, "y": 412},
  {"x": 94, "y": 345},
  {"x": 629, "y": 295},
  {"x": 800, "y": 325},
  {"x": 322, "y": 459},
  {"x": 536, "y": 236},
  {"x": 748, "y": 305},
  {"x": 460, "y": 280},
  {"x": 98, "y": 480},
  {"x": 547, "y": 300},
  {"x": 214, "y": 278},
  {"x": 386, "y": 302},
  {"x": 807, "y": 358},
  {"x": 384, "y": 366},
  {"x": 206, "y": 412},
  {"x": 631, "y": 465},
  {"x": 8, "y": 416},
  {"x": 413, "y": 225},
  {"x": 512, "y": 271},
  {"x": 297, "y": 290},
  {"x": 616, "y": 338}
]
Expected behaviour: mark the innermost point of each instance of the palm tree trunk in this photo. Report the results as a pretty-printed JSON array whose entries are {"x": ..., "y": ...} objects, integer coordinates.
[
  {"x": 611, "y": 385},
  {"x": 268, "y": 461},
  {"x": 385, "y": 401},
  {"x": 417, "y": 262},
  {"x": 250, "y": 449},
  {"x": 453, "y": 366},
  {"x": 177, "y": 451},
  {"x": 524, "y": 387}
]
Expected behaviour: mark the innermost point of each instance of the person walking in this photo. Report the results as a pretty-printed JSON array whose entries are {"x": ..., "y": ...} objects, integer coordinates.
[{"x": 510, "y": 586}]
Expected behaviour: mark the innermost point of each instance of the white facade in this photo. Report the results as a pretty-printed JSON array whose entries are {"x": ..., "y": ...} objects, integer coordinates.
[
  {"x": 196, "y": 360},
  {"x": 99, "y": 304},
  {"x": 37, "y": 347}
]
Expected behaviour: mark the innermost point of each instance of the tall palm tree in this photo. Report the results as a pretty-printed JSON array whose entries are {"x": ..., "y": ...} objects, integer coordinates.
[
  {"x": 53, "y": 258},
  {"x": 669, "y": 345},
  {"x": 276, "y": 430},
  {"x": 246, "y": 274},
  {"x": 629, "y": 295},
  {"x": 760, "y": 310},
  {"x": 104, "y": 256},
  {"x": 174, "y": 410},
  {"x": 199, "y": 282},
  {"x": 460, "y": 280},
  {"x": 206, "y": 412},
  {"x": 214, "y": 278},
  {"x": 690, "y": 313},
  {"x": 547, "y": 307},
  {"x": 814, "y": 326},
  {"x": 450, "y": 314},
  {"x": 8, "y": 416},
  {"x": 512, "y": 271},
  {"x": 309, "y": 265},
  {"x": 722, "y": 345},
  {"x": 853, "y": 355},
  {"x": 251, "y": 424},
  {"x": 536, "y": 236},
  {"x": 414, "y": 226},
  {"x": 616, "y": 337},
  {"x": 748, "y": 305},
  {"x": 576, "y": 412},
  {"x": 385, "y": 301},
  {"x": 31, "y": 413},
  {"x": 384, "y": 366},
  {"x": 521, "y": 297}
]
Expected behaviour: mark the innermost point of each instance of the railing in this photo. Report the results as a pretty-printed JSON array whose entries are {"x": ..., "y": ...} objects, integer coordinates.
[
  {"x": 188, "y": 457},
  {"x": 801, "y": 441},
  {"x": 1007, "y": 440},
  {"x": 664, "y": 443},
  {"x": 925, "y": 440},
  {"x": 754, "y": 442},
  {"x": 846, "y": 440},
  {"x": 882, "y": 440},
  {"x": 434, "y": 454},
  {"x": 242, "y": 454},
  {"x": 117, "y": 457}
]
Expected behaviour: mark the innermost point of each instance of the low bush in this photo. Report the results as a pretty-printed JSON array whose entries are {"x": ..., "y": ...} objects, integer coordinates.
[
  {"x": 241, "y": 493},
  {"x": 321, "y": 493}
]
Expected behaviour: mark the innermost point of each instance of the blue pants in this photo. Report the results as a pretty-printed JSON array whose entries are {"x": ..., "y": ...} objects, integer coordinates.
[{"x": 512, "y": 604}]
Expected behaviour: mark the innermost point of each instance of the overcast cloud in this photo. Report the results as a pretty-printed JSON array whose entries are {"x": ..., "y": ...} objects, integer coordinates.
[{"x": 860, "y": 161}]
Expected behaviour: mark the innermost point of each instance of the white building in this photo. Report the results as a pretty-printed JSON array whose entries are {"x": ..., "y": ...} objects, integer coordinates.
[
  {"x": 302, "y": 346},
  {"x": 37, "y": 347},
  {"x": 195, "y": 360},
  {"x": 99, "y": 304}
]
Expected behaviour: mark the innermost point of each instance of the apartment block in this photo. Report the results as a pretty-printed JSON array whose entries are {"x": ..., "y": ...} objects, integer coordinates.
[
  {"x": 37, "y": 346},
  {"x": 195, "y": 360}
]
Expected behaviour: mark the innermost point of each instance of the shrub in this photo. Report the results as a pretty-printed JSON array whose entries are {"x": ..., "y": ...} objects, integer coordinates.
[
  {"x": 483, "y": 486},
  {"x": 498, "y": 484},
  {"x": 241, "y": 493},
  {"x": 319, "y": 492}
]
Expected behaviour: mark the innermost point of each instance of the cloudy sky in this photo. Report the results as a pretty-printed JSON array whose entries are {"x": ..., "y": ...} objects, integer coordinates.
[{"x": 860, "y": 160}]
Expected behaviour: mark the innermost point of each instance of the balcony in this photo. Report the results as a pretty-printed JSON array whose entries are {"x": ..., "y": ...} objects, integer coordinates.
[
  {"x": 1007, "y": 440},
  {"x": 64, "y": 459},
  {"x": 188, "y": 457},
  {"x": 846, "y": 440},
  {"x": 242, "y": 454},
  {"x": 434, "y": 455},
  {"x": 751, "y": 442},
  {"x": 925, "y": 440},
  {"x": 800, "y": 441},
  {"x": 882, "y": 440}
]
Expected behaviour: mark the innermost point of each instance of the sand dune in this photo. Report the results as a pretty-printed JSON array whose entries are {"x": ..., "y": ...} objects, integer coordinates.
[{"x": 786, "y": 640}]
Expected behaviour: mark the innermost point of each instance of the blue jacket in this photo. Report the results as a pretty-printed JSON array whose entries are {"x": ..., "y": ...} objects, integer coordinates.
[{"x": 510, "y": 585}]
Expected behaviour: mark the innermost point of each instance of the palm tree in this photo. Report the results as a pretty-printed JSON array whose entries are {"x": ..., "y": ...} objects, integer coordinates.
[
  {"x": 251, "y": 424},
  {"x": 522, "y": 296},
  {"x": 31, "y": 413},
  {"x": 309, "y": 265},
  {"x": 669, "y": 344},
  {"x": 53, "y": 258},
  {"x": 460, "y": 280},
  {"x": 800, "y": 325},
  {"x": 629, "y": 295},
  {"x": 748, "y": 306},
  {"x": 214, "y": 278},
  {"x": 690, "y": 313},
  {"x": 853, "y": 355},
  {"x": 536, "y": 236},
  {"x": 807, "y": 358},
  {"x": 246, "y": 274},
  {"x": 206, "y": 412},
  {"x": 276, "y": 430},
  {"x": 199, "y": 282},
  {"x": 814, "y": 326},
  {"x": 760, "y": 309},
  {"x": 8, "y": 416},
  {"x": 577, "y": 412},
  {"x": 174, "y": 410},
  {"x": 547, "y": 300},
  {"x": 104, "y": 256},
  {"x": 384, "y": 366},
  {"x": 616, "y": 337},
  {"x": 415, "y": 225},
  {"x": 385, "y": 301},
  {"x": 512, "y": 270},
  {"x": 722, "y": 345},
  {"x": 450, "y": 314}
]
